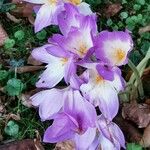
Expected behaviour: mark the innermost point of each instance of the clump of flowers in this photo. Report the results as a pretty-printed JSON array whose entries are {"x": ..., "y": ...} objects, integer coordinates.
[{"x": 88, "y": 62}]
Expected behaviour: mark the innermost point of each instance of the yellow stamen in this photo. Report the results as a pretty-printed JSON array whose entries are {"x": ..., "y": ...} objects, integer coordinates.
[
  {"x": 99, "y": 79},
  {"x": 64, "y": 61},
  {"x": 52, "y": 1},
  {"x": 120, "y": 55},
  {"x": 75, "y": 2},
  {"x": 82, "y": 50}
]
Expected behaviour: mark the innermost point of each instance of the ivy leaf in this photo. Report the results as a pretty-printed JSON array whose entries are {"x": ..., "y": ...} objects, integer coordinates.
[
  {"x": 19, "y": 34},
  {"x": 141, "y": 2},
  {"x": 135, "y": 57},
  {"x": 11, "y": 129},
  {"x": 3, "y": 74},
  {"x": 133, "y": 146},
  {"x": 14, "y": 87},
  {"x": 124, "y": 15},
  {"x": 9, "y": 43},
  {"x": 41, "y": 35}
]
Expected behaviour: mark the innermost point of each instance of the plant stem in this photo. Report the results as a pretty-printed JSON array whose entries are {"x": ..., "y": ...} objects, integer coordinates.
[{"x": 137, "y": 76}]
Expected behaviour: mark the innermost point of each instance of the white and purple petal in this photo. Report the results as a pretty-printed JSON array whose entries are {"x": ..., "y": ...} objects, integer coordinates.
[
  {"x": 113, "y": 47},
  {"x": 49, "y": 102}
]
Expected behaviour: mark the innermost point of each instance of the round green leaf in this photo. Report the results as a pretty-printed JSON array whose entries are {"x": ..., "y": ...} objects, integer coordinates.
[
  {"x": 11, "y": 129},
  {"x": 19, "y": 34},
  {"x": 14, "y": 87}
]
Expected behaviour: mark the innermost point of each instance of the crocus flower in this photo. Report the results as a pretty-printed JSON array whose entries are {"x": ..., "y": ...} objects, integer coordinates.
[
  {"x": 47, "y": 13},
  {"x": 113, "y": 47},
  {"x": 72, "y": 18},
  {"x": 111, "y": 137},
  {"x": 102, "y": 89},
  {"x": 82, "y": 7},
  {"x": 78, "y": 41},
  {"x": 77, "y": 122},
  {"x": 49, "y": 102},
  {"x": 59, "y": 67}
]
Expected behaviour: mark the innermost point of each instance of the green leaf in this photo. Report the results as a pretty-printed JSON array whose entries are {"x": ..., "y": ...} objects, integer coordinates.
[
  {"x": 124, "y": 15},
  {"x": 19, "y": 34},
  {"x": 133, "y": 146},
  {"x": 141, "y": 2},
  {"x": 137, "y": 7},
  {"x": 9, "y": 43},
  {"x": 3, "y": 74},
  {"x": 145, "y": 47},
  {"x": 14, "y": 87},
  {"x": 124, "y": 2},
  {"x": 11, "y": 129},
  {"x": 135, "y": 57},
  {"x": 109, "y": 22},
  {"x": 41, "y": 35}
]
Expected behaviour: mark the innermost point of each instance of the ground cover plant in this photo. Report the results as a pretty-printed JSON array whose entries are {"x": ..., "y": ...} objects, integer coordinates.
[{"x": 75, "y": 73}]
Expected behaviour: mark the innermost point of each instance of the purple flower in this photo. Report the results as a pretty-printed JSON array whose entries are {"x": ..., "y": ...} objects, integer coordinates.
[
  {"x": 113, "y": 47},
  {"x": 76, "y": 122},
  {"x": 50, "y": 102},
  {"x": 78, "y": 41},
  {"x": 111, "y": 137},
  {"x": 72, "y": 18},
  {"x": 59, "y": 67},
  {"x": 101, "y": 90},
  {"x": 47, "y": 13},
  {"x": 82, "y": 7}
]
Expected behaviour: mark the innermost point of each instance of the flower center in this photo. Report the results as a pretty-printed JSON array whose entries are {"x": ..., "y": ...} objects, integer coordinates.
[
  {"x": 99, "y": 79},
  {"x": 64, "y": 61},
  {"x": 52, "y": 1},
  {"x": 75, "y": 2},
  {"x": 82, "y": 50},
  {"x": 120, "y": 54}
]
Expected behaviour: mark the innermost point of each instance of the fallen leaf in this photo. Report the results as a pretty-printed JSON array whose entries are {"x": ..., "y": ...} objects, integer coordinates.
[
  {"x": 3, "y": 35},
  {"x": 112, "y": 10},
  {"x": 145, "y": 141},
  {"x": 1, "y": 137},
  {"x": 12, "y": 18},
  {"x": 12, "y": 116},
  {"x": 23, "y": 9},
  {"x": 32, "y": 61},
  {"x": 144, "y": 29},
  {"x": 67, "y": 145},
  {"x": 25, "y": 100},
  {"x": 27, "y": 144},
  {"x": 138, "y": 113},
  {"x": 25, "y": 69},
  {"x": 132, "y": 134}
]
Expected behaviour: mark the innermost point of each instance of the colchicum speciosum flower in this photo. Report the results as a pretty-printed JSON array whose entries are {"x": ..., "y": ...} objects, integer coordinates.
[{"x": 83, "y": 109}]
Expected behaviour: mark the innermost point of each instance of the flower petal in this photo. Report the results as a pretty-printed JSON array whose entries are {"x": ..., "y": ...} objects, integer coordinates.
[
  {"x": 80, "y": 109},
  {"x": 85, "y": 140},
  {"x": 60, "y": 130},
  {"x": 84, "y": 9},
  {"x": 113, "y": 47},
  {"x": 42, "y": 55},
  {"x": 49, "y": 102},
  {"x": 52, "y": 75},
  {"x": 44, "y": 16}
]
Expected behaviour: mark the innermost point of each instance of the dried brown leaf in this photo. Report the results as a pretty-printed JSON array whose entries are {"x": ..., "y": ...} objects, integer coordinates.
[
  {"x": 27, "y": 144},
  {"x": 32, "y": 61},
  {"x": 3, "y": 35},
  {"x": 144, "y": 29},
  {"x": 67, "y": 145},
  {"x": 25, "y": 100},
  {"x": 145, "y": 141},
  {"x": 25, "y": 69},
  {"x": 138, "y": 113},
  {"x": 112, "y": 10}
]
